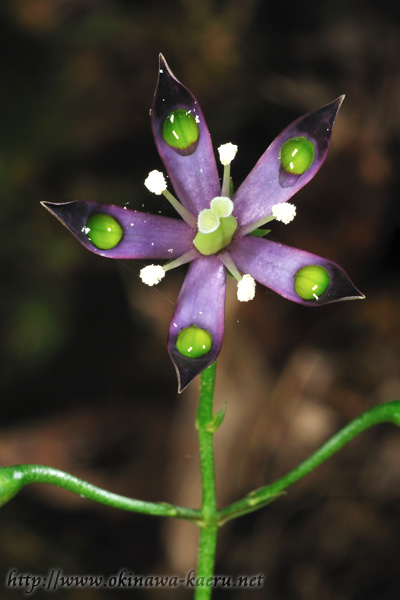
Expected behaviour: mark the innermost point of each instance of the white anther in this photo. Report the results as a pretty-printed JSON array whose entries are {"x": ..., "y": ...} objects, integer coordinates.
[
  {"x": 246, "y": 288},
  {"x": 227, "y": 153},
  {"x": 152, "y": 274},
  {"x": 284, "y": 212},
  {"x": 207, "y": 221},
  {"x": 222, "y": 206},
  {"x": 156, "y": 183}
]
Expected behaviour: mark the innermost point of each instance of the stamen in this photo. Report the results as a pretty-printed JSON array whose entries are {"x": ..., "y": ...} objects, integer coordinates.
[
  {"x": 252, "y": 226},
  {"x": 185, "y": 258},
  {"x": 246, "y": 288},
  {"x": 226, "y": 259},
  {"x": 156, "y": 183},
  {"x": 152, "y": 274},
  {"x": 227, "y": 153},
  {"x": 284, "y": 212}
]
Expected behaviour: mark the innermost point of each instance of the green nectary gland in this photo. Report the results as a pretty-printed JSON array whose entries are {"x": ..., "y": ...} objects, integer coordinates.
[
  {"x": 103, "y": 231},
  {"x": 193, "y": 342},
  {"x": 311, "y": 282},
  {"x": 297, "y": 155},
  {"x": 180, "y": 130},
  {"x": 211, "y": 243}
]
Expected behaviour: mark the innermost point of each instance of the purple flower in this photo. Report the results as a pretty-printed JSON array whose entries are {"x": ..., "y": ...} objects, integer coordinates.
[{"x": 216, "y": 233}]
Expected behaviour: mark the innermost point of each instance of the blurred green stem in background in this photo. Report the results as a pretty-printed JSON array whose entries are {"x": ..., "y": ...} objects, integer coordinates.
[{"x": 208, "y": 518}]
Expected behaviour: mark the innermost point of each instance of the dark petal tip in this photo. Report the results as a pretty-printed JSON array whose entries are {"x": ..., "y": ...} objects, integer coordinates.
[
  {"x": 188, "y": 369},
  {"x": 183, "y": 142}
]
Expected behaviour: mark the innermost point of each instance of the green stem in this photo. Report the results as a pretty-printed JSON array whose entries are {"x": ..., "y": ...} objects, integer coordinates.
[
  {"x": 12, "y": 479},
  {"x": 205, "y": 424},
  {"x": 388, "y": 412}
]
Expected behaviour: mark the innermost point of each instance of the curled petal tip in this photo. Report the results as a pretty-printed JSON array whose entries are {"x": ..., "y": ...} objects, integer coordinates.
[
  {"x": 68, "y": 213},
  {"x": 162, "y": 62},
  {"x": 165, "y": 72},
  {"x": 357, "y": 295},
  {"x": 335, "y": 106},
  {"x": 186, "y": 373}
]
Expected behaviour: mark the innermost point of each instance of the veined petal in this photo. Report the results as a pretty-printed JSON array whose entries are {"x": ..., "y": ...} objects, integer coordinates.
[
  {"x": 193, "y": 172},
  {"x": 201, "y": 303},
  {"x": 276, "y": 266},
  {"x": 268, "y": 183},
  {"x": 143, "y": 235}
]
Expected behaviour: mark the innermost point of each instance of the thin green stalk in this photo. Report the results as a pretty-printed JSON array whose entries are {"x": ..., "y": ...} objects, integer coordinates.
[
  {"x": 206, "y": 425},
  {"x": 13, "y": 478},
  {"x": 388, "y": 412}
]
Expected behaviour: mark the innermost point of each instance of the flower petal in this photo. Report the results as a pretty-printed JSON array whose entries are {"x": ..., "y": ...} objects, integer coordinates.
[
  {"x": 193, "y": 174},
  {"x": 268, "y": 183},
  {"x": 201, "y": 303},
  {"x": 143, "y": 235},
  {"x": 276, "y": 266}
]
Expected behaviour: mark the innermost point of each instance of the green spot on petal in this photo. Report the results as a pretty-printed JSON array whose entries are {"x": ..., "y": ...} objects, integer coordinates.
[
  {"x": 103, "y": 231},
  {"x": 181, "y": 131},
  {"x": 311, "y": 282},
  {"x": 193, "y": 342},
  {"x": 211, "y": 243},
  {"x": 297, "y": 155}
]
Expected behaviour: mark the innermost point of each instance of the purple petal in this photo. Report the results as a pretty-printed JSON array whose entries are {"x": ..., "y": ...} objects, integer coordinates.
[
  {"x": 194, "y": 176},
  {"x": 201, "y": 303},
  {"x": 275, "y": 266},
  {"x": 263, "y": 187},
  {"x": 144, "y": 236}
]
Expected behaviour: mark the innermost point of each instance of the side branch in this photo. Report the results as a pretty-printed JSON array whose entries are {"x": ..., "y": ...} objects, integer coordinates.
[
  {"x": 388, "y": 412},
  {"x": 14, "y": 478}
]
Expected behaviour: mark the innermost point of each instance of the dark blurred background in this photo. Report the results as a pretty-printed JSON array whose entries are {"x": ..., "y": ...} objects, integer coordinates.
[{"x": 86, "y": 383}]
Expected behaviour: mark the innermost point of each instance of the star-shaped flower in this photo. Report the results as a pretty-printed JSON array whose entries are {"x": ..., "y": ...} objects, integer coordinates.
[{"x": 216, "y": 233}]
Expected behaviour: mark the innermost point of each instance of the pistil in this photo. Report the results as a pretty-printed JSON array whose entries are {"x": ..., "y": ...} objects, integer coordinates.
[{"x": 216, "y": 226}]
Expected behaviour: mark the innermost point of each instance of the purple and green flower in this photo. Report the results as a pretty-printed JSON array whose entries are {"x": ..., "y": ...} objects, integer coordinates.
[{"x": 217, "y": 233}]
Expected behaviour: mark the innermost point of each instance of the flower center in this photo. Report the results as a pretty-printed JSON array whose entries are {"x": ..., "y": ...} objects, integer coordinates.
[
  {"x": 211, "y": 243},
  {"x": 216, "y": 226}
]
